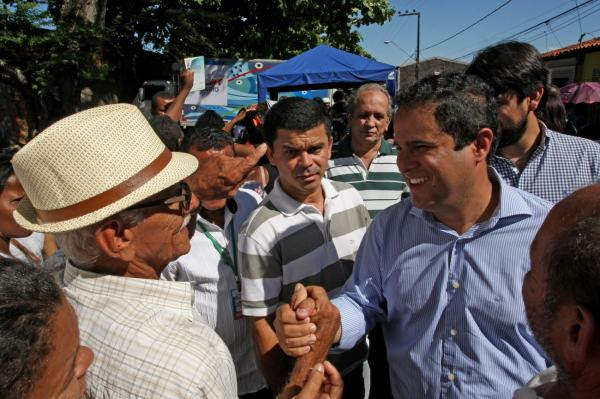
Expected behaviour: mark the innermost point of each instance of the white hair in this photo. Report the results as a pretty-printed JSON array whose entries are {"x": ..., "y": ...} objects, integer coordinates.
[
  {"x": 80, "y": 245},
  {"x": 352, "y": 103}
]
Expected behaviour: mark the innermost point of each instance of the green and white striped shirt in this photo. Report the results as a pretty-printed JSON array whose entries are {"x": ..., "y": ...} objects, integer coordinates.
[
  {"x": 285, "y": 242},
  {"x": 380, "y": 186}
]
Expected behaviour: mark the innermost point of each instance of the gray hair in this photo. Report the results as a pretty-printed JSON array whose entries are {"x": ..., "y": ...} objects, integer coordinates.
[
  {"x": 364, "y": 88},
  {"x": 574, "y": 267},
  {"x": 80, "y": 245}
]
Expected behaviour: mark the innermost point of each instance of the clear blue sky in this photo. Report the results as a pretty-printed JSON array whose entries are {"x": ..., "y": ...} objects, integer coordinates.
[{"x": 443, "y": 18}]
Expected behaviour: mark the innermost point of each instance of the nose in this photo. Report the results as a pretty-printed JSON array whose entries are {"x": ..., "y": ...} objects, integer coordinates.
[
  {"x": 305, "y": 159},
  {"x": 371, "y": 121}
]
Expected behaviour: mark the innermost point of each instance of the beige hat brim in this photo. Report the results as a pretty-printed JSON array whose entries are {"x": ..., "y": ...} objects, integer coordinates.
[{"x": 181, "y": 166}]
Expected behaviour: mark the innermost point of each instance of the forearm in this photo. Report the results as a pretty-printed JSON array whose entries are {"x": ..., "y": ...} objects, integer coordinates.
[
  {"x": 270, "y": 355},
  {"x": 328, "y": 330},
  {"x": 176, "y": 107},
  {"x": 229, "y": 125}
]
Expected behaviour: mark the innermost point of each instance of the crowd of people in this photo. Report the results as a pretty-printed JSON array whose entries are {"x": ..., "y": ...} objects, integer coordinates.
[{"x": 315, "y": 260}]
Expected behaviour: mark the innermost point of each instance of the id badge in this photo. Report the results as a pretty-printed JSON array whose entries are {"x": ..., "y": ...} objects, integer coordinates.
[{"x": 236, "y": 304}]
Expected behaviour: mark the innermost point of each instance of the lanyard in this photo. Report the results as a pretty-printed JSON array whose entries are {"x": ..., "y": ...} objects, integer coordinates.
[{"x": 223, "y": 251}]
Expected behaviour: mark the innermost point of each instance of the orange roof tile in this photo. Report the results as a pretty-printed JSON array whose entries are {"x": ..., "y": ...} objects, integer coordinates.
[{"x": 573, "y": 48}]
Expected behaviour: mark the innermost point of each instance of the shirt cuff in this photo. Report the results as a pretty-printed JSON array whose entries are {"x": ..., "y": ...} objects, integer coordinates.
[{"x": 353, "y": 322}]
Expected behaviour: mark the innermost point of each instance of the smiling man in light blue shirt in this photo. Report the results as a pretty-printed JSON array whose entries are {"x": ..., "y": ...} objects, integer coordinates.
[{"x": 443, "y": 271}]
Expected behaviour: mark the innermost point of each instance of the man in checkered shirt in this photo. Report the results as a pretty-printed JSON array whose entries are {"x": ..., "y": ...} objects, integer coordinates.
[{"x": 530, "y": 156}]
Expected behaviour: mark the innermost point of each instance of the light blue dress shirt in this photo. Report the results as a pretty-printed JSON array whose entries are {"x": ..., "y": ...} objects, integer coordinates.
[{"x": 451, "y": 307}]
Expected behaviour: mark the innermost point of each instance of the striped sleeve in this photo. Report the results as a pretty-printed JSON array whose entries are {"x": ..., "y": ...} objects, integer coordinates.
[{"x": 261, "y": 277}]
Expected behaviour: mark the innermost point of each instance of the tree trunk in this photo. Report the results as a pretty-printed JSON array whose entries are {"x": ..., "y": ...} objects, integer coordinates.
[{"x": 88, "y": 11}]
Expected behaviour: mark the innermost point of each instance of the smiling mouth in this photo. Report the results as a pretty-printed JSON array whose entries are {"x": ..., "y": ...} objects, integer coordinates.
[{"x": 415, "y": 181}]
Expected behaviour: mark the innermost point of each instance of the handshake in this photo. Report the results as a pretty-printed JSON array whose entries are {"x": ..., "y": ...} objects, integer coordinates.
[{"x": 306, "y": 329}]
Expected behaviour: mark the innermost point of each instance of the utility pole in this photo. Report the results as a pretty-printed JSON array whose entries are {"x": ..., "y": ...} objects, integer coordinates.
[{"x": 418, "y": 14}]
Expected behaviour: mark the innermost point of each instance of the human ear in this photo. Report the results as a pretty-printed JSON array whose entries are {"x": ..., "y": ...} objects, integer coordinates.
[
  {"x": 115, "y": 240},
  {"x": 483, "y": 144},
  {"x": 535, "y": 98},
  {"x": 577, "y": 332}
]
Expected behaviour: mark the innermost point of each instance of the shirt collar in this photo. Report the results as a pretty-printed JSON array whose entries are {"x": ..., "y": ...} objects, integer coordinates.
[
  {"x": 289, "y": 206},
  {"x": 345, "y": 148},
  {"x": 166, "y": 294},
  {"x": 386, "y": 148},
  {"x": 511, "y": 204},
  {"x": 545, "y": 137}
]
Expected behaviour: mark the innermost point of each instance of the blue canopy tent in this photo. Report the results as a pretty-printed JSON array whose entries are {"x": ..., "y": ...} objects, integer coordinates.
[{"x": 324, "y": 67}]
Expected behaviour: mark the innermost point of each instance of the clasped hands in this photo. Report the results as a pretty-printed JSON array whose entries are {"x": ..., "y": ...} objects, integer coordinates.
[{"x": 306, "y": 329}]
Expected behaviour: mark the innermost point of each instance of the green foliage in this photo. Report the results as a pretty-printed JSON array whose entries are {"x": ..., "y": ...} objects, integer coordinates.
[
  {"x": 60, "y": 57},
  {"x": 55, "y": 59}
]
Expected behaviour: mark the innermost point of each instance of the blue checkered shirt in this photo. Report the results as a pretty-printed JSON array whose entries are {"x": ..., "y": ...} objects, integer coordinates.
[{"x": 559, "y": 165}]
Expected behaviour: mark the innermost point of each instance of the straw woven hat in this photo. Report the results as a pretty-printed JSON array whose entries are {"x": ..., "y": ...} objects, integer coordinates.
[{"x": 91, "y": 165}]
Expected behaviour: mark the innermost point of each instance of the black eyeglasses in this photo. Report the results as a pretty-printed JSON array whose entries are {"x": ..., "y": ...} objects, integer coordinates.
[{"x": 184, "y": 197}]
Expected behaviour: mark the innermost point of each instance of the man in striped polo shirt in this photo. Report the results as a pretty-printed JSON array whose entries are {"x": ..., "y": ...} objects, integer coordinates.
[
  {"x": 368, "y": 162},
  {"x": 307, "y": 230},
  {"x": 364, "y": 158}
]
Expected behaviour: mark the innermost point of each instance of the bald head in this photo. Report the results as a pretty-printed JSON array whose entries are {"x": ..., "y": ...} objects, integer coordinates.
[
  {"x": 561, "y": 289},
  {"x": 568, "y": 250},
  {"x": 582, "y": 204}
]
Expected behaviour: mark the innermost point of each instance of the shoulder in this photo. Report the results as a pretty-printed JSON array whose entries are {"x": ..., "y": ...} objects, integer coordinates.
[
  {"x": 565, "y": 142},
  {"x": 248, "y": 195},
  {"x": 538, "y": 206},
  {"x": 395, "y": 217},
  {"x": 157, "y": 342},
  {"x": 347, "y": 193},
  {"x": 341, "y": 186},
  {"x": 264, "y": 215}
]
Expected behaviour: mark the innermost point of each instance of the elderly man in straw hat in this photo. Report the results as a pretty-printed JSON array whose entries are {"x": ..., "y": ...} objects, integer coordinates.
[{"x": 105, "y": 185}]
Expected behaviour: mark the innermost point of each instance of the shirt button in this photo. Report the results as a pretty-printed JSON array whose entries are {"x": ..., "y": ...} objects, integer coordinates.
[
  {"x": 453, "y": 332},
  {"x": 451, "y": 377},
  {"x": 455, "y": 284}
]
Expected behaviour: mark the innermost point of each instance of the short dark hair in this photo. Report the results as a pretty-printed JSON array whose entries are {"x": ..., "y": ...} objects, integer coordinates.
[
  {"x": 168, "y": 130},
  {"x": 210, "y": 119},
  {"x": 510, "y": 65},
  {"x": 464, "y": 104},
  {"x": 161, "y": 94},
  {"x": 573, "y": 268},
  {"x": 29, "y": 299},
  {"x": 209, "y": 138},
  {"x": 6, "y": 168},
  {"x": 294, "y": 113}
]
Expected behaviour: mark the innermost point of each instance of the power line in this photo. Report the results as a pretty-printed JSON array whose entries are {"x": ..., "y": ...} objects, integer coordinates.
[
  {"x": 531, "y": 28},
  {"x": 554, "y": 34},
  {"x": 564, "y": 24},
  {"x": 568, "y": 22},
  {"x": 570, "y": 10},
  {"x": 468, "y": 27},
  {"x": 503, "y": 31}
]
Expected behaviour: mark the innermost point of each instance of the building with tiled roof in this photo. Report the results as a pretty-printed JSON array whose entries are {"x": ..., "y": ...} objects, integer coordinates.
[{"x": 578, "y": 62}]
